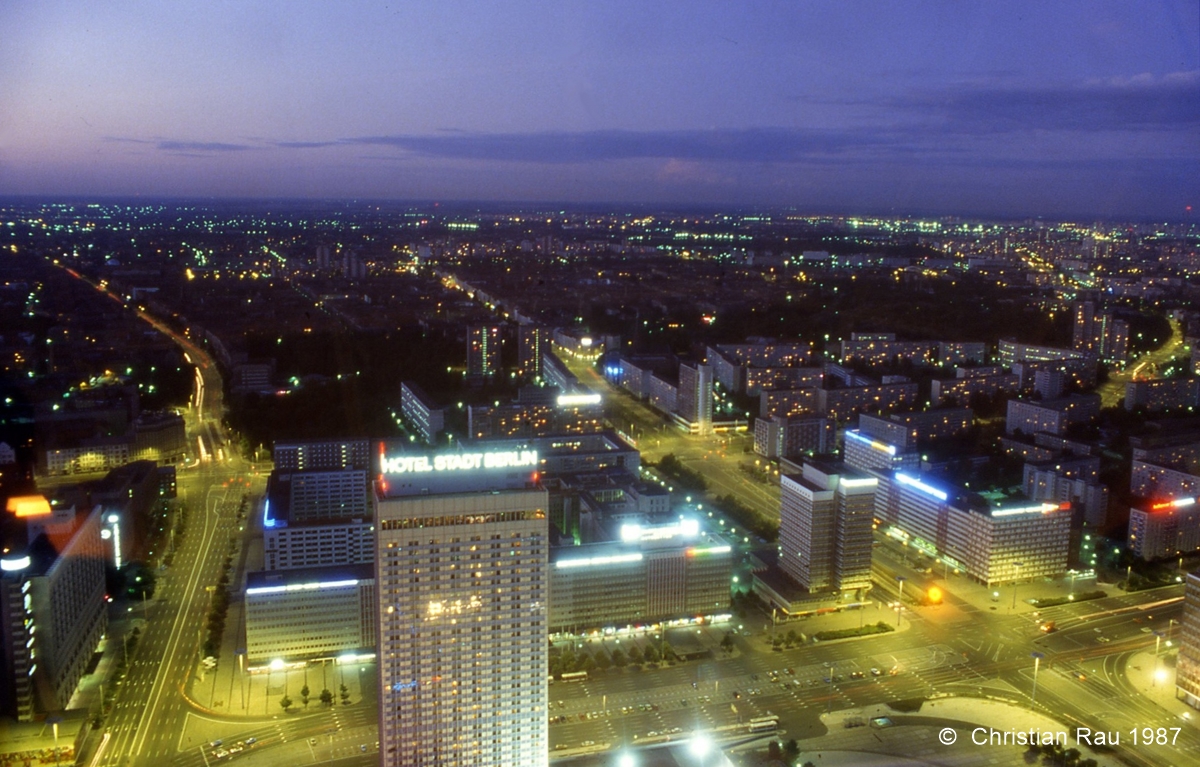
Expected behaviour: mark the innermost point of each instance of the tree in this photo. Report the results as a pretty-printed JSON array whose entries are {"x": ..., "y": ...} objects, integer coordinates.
[
  {"x": 619, "y": 659},
  {"x": 588, "y": 664},
  {"x": 304, "y": 691},
  {"x": 651, "y": 654},
  {"x": 285, "y": 702},
  {"x": 603, "y": 661},
  {"x": 345, "y": 695},
  {"x": 791, "y": 750},
  {"x": 669, "y": 652},
  {"x": 326, "y": 697},
  {"x": 635, "y": 655},
  {"x": 727, "y": 642},
  {"x": 791, "y": 637},
  {"x": 774, "y": 752}
]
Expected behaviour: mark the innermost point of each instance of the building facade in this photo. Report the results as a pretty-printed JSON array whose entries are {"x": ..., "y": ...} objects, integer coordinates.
[
  {"x": 462, "y": 590},
  {"x": 825, "y": 522},
  {"x": 1187, "y": 667},
  {"x": 282, "y": 610},
  {"x": 1165, "y": 529}
]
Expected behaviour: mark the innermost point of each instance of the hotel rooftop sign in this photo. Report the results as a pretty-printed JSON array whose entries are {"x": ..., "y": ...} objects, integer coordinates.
[
  {"x": 454, "y": 471},
  {"x": 458, "y": 461}
]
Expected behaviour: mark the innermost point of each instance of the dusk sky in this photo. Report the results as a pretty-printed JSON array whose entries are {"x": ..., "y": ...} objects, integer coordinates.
[{"x": 1000, "y": 108}]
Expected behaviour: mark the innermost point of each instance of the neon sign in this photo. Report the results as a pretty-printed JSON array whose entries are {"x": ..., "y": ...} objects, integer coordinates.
[{"x": 451, "y": 462}]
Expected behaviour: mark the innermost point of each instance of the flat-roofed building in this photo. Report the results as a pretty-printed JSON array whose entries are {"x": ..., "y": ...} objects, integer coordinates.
[
  {"x": 1053, "y": 416},
  {"x": 1163, "y": 529},
  {"x": 52, "y": 605},
  {"x": 310, "y": 613},
  {"x": 421, "y": 413},
  {"x": 462, "y": 587},
  {"x": 654, "y": 573},
  {"x": 322, "y": 455},
  {"x": 992, "y": 542},
  {"x": 825, "y": 523}
]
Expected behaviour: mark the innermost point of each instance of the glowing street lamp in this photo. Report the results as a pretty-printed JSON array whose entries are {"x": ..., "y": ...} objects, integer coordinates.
[{"x": 1037, "y": 661}]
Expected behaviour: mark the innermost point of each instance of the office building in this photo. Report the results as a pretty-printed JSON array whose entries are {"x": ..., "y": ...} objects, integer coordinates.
[
  {"x": 52, "y": 607},
  {"x": 992, "y": 540},
  {"x": 299, "y": 496},
  {"x": 421, "y": 413},
  {"x": 483, "y": 350},
  {"x": 863, "y": 453},
  {"x": 462, "y": 589},
  {"x": 1187, "y": 667},
  {"x": 825, "y": 522},
  {"x": 1165, "y": 529},
  {"x": 322, "y": 455},
  {"x": 653, "y": 573},
  {"x": 310, "y": 613}
]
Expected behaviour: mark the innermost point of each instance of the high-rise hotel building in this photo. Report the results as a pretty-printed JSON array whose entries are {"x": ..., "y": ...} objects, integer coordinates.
[{"x": 461, "y": 570}]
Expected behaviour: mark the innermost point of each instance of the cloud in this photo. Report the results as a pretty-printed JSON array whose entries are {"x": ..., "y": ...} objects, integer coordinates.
[
  {"x": 188, "y": 148},
  {"x": 731, "y": 145},
  {"x": 200, "y": 146},
  {"x": 305, "y": 144},
  {"x": 1138, "y": 103}
]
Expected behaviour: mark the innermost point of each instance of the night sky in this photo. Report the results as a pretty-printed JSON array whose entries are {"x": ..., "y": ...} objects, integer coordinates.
[{"x": 980, "y": 108}]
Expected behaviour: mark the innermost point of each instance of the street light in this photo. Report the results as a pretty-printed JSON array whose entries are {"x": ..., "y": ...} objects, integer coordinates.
[
  {"x": 1037, "y": 662},
  {"x": 1018, "y": 566},
  {"x": 1158, "y": 635},
  {"x": 899, "y": 599}
]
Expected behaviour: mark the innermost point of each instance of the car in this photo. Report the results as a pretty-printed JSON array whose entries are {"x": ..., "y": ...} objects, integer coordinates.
[
  {"x": 236, "y": 749},
  {"x": 251, "y": 741},
  {"x": 1147, "y": 630},
  {"x": 362, "y": 747},
  {"x": 1103, "y": 640},
  {"x": 587, "y": 743},
  {"x": 894, "y": 671},
  {"x": 737, "y": 695},
  {"x": 683, "y": 702},
  {"x": 875, "y": 672},
  {"x": 221, "y": 754},
  {"x": 857, "y": 674},
  {"x": 312, "y": 741},
  {"x": 791, "y": 672},
  {"x": 216, "y": 743},
  {"x": 652, "y": 734}
]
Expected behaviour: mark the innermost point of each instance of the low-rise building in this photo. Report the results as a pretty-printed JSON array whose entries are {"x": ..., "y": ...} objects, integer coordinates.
[{"x": 310, "y": 613}]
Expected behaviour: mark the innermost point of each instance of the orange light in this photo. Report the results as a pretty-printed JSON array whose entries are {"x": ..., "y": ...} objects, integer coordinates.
[
  {"x": 934, "y": 594},
  {"x": 29, "y": 506},
  {"x": 1163, "y": 505}
]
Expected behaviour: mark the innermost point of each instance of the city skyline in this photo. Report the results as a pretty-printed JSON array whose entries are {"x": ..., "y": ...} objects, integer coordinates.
[{"x": 1077, "y": 109}]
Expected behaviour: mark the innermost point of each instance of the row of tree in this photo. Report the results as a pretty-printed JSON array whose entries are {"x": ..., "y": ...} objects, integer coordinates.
[
  {"x": 598, "y": 658},
  {"x": 326, "y": 697}
]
